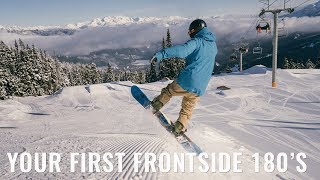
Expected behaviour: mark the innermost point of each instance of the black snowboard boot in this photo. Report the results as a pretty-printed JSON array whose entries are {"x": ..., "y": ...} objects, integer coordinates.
[
  {"x": 156, "y": 105},
  {"x": 178, "y": 128}
]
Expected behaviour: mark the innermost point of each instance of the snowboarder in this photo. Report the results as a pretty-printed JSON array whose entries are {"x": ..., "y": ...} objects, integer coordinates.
[{"x": 200, "y": 52}]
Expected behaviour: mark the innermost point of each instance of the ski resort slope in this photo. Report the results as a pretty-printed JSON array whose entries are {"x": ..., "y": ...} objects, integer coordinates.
[{"x": 249, "y": 118}]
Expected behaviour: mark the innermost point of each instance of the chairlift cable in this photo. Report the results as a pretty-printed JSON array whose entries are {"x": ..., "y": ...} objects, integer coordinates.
[
  {"x": 302, "y": 3},
  {"x": 251, "y": 26},
  {"x": 255, "y": 20},
  {"x": 272, "y": 3}
]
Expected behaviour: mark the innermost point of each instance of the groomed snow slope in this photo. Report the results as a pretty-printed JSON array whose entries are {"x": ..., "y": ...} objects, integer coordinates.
[{"x": 251, "y": 117}]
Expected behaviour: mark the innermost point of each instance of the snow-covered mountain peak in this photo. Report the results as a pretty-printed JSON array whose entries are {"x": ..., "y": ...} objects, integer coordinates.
[
  {"x": 118, "y": 20},
  {"x": 108, "y": 21},
  {"x": 125, "y": 20}
]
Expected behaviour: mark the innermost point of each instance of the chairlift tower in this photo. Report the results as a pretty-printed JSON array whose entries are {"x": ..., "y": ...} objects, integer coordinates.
[
  {"x": 242, "y": 51},
  {"x": 242, "y": 47},
  {"x": 275, "y": 13}
]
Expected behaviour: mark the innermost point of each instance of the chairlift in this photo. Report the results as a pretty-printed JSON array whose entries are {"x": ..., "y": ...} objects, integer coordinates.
[
  {"x": 263, "y": 25},
  {"x": 233, "y": 57},
  {"x": 282, "y": 30},
  {"x": 257, "y": 50}
]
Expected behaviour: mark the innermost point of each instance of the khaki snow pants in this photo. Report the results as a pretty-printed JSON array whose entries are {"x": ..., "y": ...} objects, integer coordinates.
[{"x": 189, "y": 101}]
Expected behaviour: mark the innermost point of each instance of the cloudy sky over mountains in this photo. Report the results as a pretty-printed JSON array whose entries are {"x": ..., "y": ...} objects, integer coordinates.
[
  {"x": 58, "y": 12},
  {"x": 137, "y": 34}
]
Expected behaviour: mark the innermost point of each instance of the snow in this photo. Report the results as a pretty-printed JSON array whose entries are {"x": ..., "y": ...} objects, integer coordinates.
[
  {"x": 250, "y": 117},
  {"x": 125, "y": 20},
  {"x": 257, "y": 69}
]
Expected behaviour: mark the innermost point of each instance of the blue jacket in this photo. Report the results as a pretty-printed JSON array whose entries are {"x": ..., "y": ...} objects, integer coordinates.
[{"x": 200, "y": 53}]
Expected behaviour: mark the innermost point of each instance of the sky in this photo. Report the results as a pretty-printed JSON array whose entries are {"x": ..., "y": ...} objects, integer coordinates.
[{"x": 59, "y": 12}]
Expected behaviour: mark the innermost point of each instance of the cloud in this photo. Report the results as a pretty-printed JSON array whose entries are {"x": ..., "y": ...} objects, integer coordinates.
[
  {"x": 227, "y": 29},
  {"x": 303, "y": 24}
]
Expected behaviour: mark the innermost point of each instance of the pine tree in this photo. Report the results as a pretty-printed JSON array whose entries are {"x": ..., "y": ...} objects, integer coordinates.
[
  {"x": 286, "y": 64},
  {"x": 300, "y": 65},
  {"x": 16, "y": 47},
  {"x": 170, "y": 68},
  {"x": 292, "y": 64},
  {"x": 310, "y": 64},
  {"x": 76, "y": 75},
  {"x": 152, "y": 75},
  {"x": 163, "y": 43},
  {"x": 169, "y": 41},
  {"x": 94, "y": 74},
  {"x": 109, "y": 74},
  {"x": 21, "y": 44},
  {"x": 317, "y": 64},
  {"x": 142, "y": 77},
  {"x": 228, "y": 69},
  {"x": 3, "y": 82}
]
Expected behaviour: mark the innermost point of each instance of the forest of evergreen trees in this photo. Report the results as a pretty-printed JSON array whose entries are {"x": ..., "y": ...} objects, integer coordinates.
[
  {"x": 287, "y": 64},
  {"x": 29, "y": 71},
  {"x": 292, "y": 64}
]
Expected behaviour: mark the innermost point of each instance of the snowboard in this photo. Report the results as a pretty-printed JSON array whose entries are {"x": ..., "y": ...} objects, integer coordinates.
[{"x": 182, "y": 139}]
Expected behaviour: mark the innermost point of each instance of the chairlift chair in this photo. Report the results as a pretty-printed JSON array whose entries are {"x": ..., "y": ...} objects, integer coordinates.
[
  {"x": 233, "y": 57},
  {"x": 282, "y": 30},
  {"x": 257, "y": 50},
  {"x": 263, "y": 25}
]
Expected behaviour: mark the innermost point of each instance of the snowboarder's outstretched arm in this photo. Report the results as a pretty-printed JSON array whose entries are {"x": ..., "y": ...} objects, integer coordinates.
[{"x": 179, "y": 51}]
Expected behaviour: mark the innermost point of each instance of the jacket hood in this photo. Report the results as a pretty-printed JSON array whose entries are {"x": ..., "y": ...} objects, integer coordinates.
[{"x": 206, "y": 35}]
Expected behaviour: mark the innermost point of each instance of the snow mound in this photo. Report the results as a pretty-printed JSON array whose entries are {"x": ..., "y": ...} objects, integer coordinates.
[
  {"x": 257, "y": 69},
  {"x": 11, "y": 112},
  {"x": 73, "y": 96}
]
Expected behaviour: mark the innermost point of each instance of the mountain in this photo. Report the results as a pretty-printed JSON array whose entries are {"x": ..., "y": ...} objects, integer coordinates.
[
  {"x": 117, "y": 58},
  {"x": 109, "y": 21},
  {"x": 311, "y": 10},
  {"x": 125, "y": 20}
]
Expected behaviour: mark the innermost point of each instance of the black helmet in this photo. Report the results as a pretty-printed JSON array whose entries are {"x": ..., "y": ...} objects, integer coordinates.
[{"x": 197, "y": 25}]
